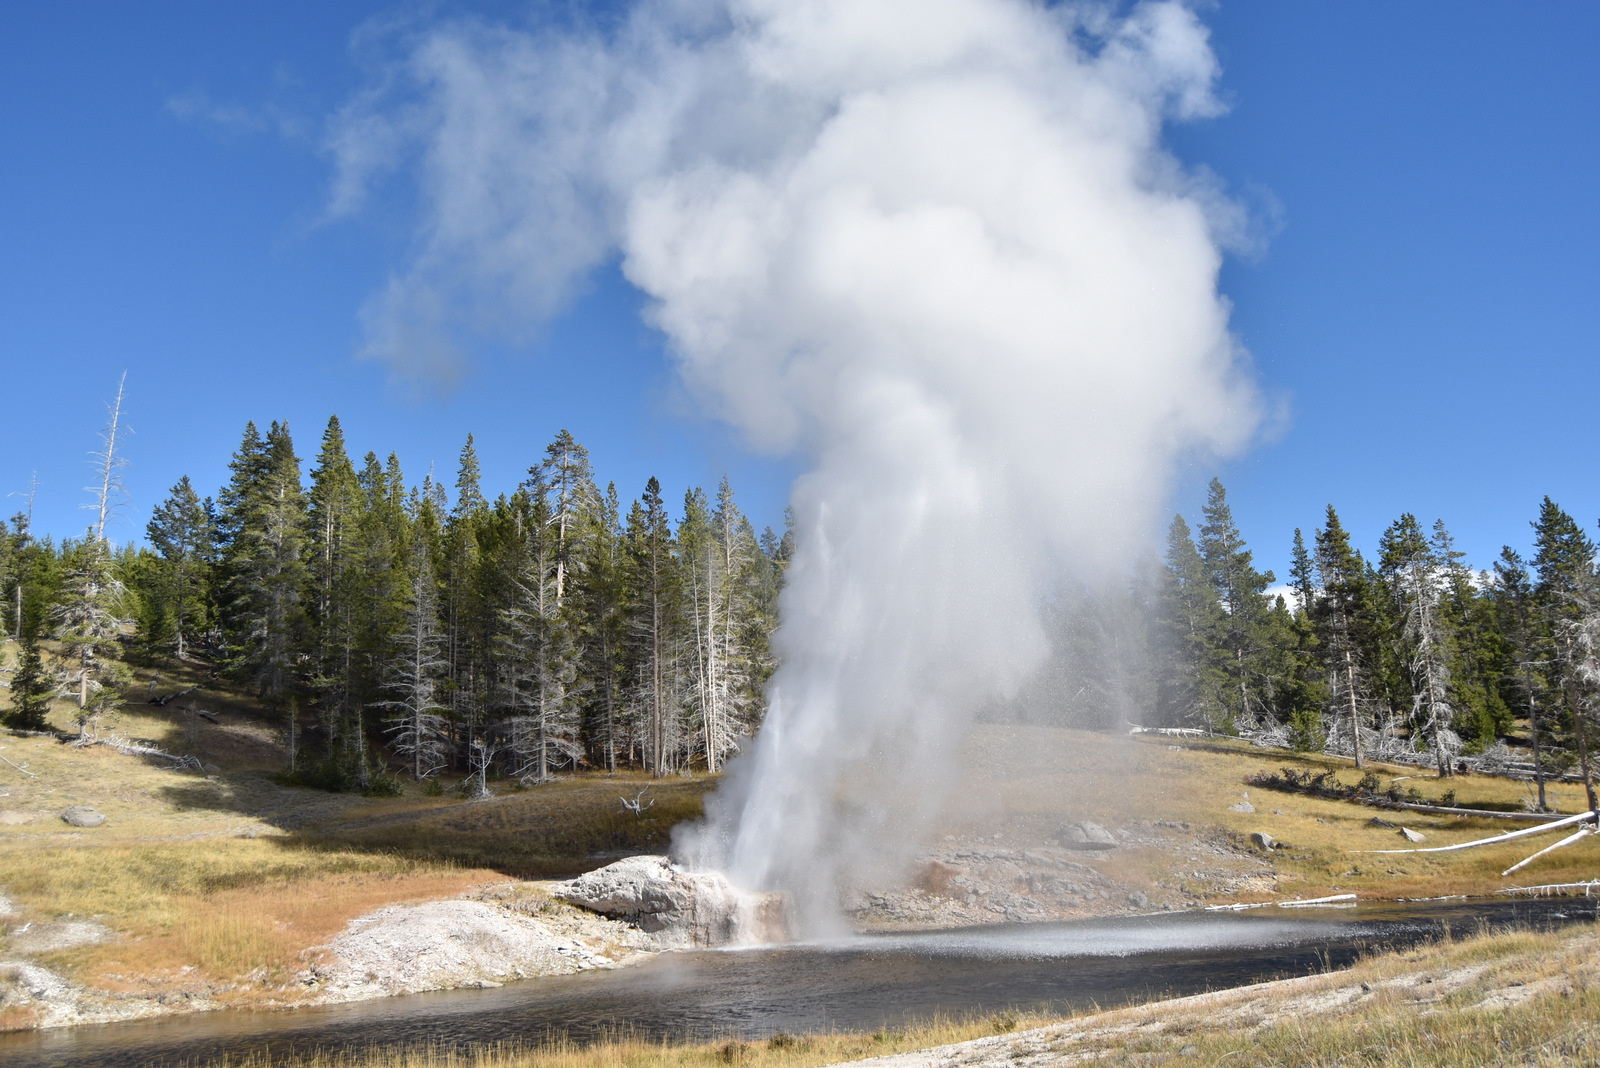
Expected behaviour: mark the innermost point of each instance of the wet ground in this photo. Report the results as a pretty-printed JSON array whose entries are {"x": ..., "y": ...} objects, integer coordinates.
[{"x": 858, "y": 983}]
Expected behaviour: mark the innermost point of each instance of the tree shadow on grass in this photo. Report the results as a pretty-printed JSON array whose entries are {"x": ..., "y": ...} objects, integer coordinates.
[{"x": 562, "y": 828}]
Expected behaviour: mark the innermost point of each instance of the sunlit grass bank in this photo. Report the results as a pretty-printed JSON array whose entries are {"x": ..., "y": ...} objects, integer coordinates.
[
  {"x": 1034, "y": 778},
  {"x": 1509, "y": 998}
]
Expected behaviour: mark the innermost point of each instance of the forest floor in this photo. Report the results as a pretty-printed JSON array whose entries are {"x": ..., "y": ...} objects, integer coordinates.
[{"x": 223, "y": 888}]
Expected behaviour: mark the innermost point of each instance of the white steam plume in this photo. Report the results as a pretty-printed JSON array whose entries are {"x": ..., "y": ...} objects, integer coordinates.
[{"x": 934, "y": 244}]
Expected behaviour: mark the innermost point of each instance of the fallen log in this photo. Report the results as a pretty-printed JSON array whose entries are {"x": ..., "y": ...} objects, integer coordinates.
[
  {"x": 1508, "y": 836},
  {"x": 1547, "y": 889},
  {"x": 1447, "y": 810},
  {"x": 1581, "y": 832}
]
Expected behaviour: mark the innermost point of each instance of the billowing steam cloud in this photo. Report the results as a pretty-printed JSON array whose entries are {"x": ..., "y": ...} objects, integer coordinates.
[{"x": 934, "y": 244}]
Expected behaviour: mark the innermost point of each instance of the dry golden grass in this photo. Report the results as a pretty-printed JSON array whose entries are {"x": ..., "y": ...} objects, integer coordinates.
[
  {"x": 550, "y": 830},
  {"x": 778, "y": 1051},
  {"x": 224, "y": 907},
  {"x": 1035, "y": 778}
]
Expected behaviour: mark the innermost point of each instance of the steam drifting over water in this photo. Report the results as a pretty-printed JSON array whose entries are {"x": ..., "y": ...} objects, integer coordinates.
[{"x": 934, "y": 245}]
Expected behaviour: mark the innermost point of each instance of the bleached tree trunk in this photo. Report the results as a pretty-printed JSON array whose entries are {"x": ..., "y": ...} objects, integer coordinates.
[
  {"x": 1355, "y": 712},
  {"x": 1579, "y": 646},
  {"x": 416, "y": 724},
  {"x": 110, "y": 464},
  {"x": 1429, "y": 665}
]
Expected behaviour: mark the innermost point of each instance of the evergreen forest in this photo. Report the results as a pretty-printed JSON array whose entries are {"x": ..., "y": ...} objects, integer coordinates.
[
  {"x": 417, "y": 630},
  {"x": 407, "y": 629},
  {"x": 1412, "y": 657}
]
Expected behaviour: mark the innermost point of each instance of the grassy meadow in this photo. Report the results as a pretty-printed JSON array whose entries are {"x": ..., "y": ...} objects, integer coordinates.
[
  {"x": 227, "y": 878},
  {"x": 230, "y": 876}
]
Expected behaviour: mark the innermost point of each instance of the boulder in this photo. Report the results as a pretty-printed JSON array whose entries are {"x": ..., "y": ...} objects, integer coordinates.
[
  {"x": 681, "y": 909},
  {"x": 83, "y": 816},
  {"x": 1242, "y": 806},
  {"x": 1088, "y": 836},
  {"x": 1262, "y": 841},
  {"x": 1412, "y": 836}
]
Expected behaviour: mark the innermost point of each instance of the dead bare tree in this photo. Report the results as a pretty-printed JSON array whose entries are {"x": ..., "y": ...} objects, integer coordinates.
[
  {"x": 111, "y": 492},
  {"x": 638, "y": 806},
  {"x": 481, "y": 754}
]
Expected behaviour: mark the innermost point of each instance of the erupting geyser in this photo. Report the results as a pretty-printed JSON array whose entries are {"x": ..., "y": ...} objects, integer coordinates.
[{"x": 934, "y": 245}]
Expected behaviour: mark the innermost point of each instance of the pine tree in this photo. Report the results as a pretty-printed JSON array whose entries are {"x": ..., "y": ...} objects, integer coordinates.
[
  {"x": 461, "y": 555},
  {"x": 653, "y": 584},
  {"x": 739, "y": 645},
  {"x": 182, "y": 531},
  {"x": 1343, "y": 619},
  {"x": 416, "y": 724},
  {"x": 602, "y": 609},
  {"x": 1192, "y": 675},
  {"x": 1516, "y": 603},
  {"x": 1565, "y": 564},
  {"x": 1416, "y": 575},
  {"x": 1239, "y": 589},
  {"x": 263, "y": 534},
  {"x": 540, "y": 658},
  {"x": 1302, "y": 574},
  {"x": 88, "y": 626},
  {"x": 31, "y": 685},
  {"x": 1480, "y": 655},
  {"x": 334, "y": 513},
  {"x": 568, "y": 479}
]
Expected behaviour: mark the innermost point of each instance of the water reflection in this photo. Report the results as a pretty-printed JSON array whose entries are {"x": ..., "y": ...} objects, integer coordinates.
[{"x": 859, "y": 983}]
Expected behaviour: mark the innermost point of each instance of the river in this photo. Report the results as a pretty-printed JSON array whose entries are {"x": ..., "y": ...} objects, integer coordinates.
[{"x": 856, "y": 984}]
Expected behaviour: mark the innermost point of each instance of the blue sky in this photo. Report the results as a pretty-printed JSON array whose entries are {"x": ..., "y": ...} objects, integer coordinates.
[{"x": 1426, "y": 311}]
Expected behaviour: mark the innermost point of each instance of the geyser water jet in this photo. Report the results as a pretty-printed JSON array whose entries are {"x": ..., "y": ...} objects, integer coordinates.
[{"x": 934, "y": 245}]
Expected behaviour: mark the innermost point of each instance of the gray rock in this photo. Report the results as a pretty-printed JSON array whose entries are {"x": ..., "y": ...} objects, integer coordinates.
[
  {"x": 680, "y": 908},
  {"x": 1262, "y": 841},
  {"x": 1139, "y": 899},
  {"x": 1086, "y": 835},
  {"x": 83, "y": 816},
  {"x": 1242, "y": 806},
  {"x": 1412, "y": 836}
]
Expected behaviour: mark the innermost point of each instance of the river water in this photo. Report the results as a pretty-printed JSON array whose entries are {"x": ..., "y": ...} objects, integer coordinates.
[{"x": 856, "y": 984}]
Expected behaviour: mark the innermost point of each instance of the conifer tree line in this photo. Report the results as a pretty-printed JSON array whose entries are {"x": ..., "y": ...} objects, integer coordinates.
[
  {"x": 549, "y": 628},
  {"x": 1412, "y": 655}
]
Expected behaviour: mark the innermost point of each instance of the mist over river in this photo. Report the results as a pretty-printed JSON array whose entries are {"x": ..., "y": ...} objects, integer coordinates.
[{"x": 858, "y": 983}]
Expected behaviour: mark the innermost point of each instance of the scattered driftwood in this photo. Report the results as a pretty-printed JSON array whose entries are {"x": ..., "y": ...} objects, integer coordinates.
[
  {"x": 638, "y": 806},
  {"x": 1325, "y": 784},
  {"x": 1332, "y": 901},
  {"x": 162, "y": 700},
  {"x": 1581, "y": 817},
  {"x": 1551, "y": 889},
  {"x": 1581, "y": 832},
  {"x": 210, "y": 717},
  {"x": 130, "y": 748},
  {"x": 1475, "y": 813},
  {"x": 20, "y": 767}
]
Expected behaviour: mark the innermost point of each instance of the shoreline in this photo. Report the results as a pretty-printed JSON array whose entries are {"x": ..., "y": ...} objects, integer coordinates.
[{"x": 376, "y": 957}]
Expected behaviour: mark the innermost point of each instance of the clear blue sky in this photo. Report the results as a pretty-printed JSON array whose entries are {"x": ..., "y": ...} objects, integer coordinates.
[{"x": 1427, "y": 312}]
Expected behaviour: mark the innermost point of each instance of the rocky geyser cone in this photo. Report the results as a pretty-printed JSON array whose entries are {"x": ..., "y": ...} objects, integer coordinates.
[{"x": 680, "y": 909}]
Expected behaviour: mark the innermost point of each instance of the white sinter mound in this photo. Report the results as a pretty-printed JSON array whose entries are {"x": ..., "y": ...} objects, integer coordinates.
[{"x": 680, "y": 909}]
